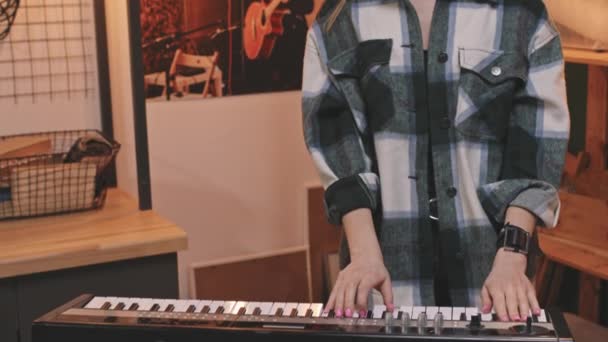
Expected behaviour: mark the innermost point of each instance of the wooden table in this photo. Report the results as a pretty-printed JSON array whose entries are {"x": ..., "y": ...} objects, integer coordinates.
[
  {"x": 579, "y": 241},
  {"x": 585, "y": 331},
  {"x": 115, "y": 251}
]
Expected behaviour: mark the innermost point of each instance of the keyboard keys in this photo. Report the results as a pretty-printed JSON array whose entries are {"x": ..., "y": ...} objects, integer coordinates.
[
  {"x": 237, "y": 307},
  {"x": 317, "y": 309},
  {"x": 446, "y": 312},
  {"x": 290, "y": 310},
  {"x": 378, "y": 310},
  {"x": 277, "y": 309},
  {"x": 470, "y": 312},
  {"x": 251, "y": 307},
  {"x": 431, "y": 312},
  {"x": 456, "y": 312},
  {"x": 302, "y": 308},
  {"x": 542, "y": 318},
  {"x": 417, "y": 310},
  {"x": 96, "y": 303}
]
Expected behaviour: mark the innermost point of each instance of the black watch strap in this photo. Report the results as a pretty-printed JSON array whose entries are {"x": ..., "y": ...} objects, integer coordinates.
[{"x": 514, "y": 239}]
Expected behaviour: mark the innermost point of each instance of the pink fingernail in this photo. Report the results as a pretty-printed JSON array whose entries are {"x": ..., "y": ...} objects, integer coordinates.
[
  {"x": 362, "y": 313},
  {"x": 516, "y": 318},
  {"x": 339, "y": 313},
  {"x": 537, "y": 312},
  {"x": 348, "y": 313},
  {"x": 390, "y": 307}
]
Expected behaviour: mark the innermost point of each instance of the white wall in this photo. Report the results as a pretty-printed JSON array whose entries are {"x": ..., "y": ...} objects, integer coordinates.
[
  {"x": 232, "y": 173},
  {"x": 122, "y": 104}
]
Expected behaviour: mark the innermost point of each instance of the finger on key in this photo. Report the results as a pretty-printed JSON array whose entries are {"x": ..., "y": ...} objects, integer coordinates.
[
  {"x": 349, "y": 299},
  {"x": 512, "y": 303}
]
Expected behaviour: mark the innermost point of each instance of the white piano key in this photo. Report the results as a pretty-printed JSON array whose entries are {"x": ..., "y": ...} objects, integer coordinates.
[
  {"x": 302, "y": 308},
  {"x": 145, "y": 304},
  {"x": 356, "y": 314},
  {"x": 542, "y": 318},
  {"x": 128, "y": 302},
  {"x": 417, "y": 310},
  {"x": 200, "y": 305},
  {"x": 406, "y": 309},
  {"x": 456, "y": 311},
  {"x": 431, "y": 312},
  {"x": 277, "y": 306},
  {"x": 183, "y": 305},
  {"x": 229, "y": 305},
  {"x": 163, "y": 303},
  {"x": 180, "y": 305},
  {"x": 266, "y": 308},
  {"x": 378, "y": 310},
  {"x": 288, "y": 308},
  {"x": 317, "y": 309},
  {"x": 446, "y": 311},
  {"x": 215, "y": 304},
  {"x": 96, "y": 303},
  {"x": 113, "y": 301},
  {"x": 237, "y": 307},
  {"x": 250, "y": 308},
  {"x": 486, "y": 317},
  {"x": 470, "y": 312}
]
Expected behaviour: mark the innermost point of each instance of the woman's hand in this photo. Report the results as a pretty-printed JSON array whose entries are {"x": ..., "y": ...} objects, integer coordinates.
[
  {"x": 354, "y": 284},
  {"x": 508, "y": 289},
  {"x": 366, "y": 270}
]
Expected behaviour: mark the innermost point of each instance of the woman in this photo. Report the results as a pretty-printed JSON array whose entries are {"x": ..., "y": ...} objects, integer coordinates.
[{"x": 437, "y": 130}]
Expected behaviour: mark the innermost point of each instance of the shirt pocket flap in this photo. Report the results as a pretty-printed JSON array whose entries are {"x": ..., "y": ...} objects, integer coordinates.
[
  {"x": 494, "y": 66},
  {"x": 357, "y": 61}
]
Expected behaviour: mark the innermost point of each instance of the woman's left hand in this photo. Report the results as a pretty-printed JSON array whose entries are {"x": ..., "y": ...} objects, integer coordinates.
[{"x": 508, "y": 289}]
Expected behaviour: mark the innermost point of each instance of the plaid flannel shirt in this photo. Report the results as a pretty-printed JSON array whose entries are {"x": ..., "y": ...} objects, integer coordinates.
[{"x": 492, "y": 106}]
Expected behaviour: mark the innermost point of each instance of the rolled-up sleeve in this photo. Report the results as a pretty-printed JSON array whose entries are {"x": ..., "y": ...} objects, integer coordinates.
[
  {"x": 335, "y": 136},
  {"x": 537, "y": 138}
]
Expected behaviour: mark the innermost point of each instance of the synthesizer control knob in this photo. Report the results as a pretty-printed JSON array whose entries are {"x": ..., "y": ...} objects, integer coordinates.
[
  {"x": 388, "y": 319},
  {"x": 475, "y": 322},
  {"x": 422, "y": 323},
  {"x": 438, "y": 323},
  {"x": 405, "y": 322}
]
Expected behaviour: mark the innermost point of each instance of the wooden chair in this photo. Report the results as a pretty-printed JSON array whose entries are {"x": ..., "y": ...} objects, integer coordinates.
[{"x": 209, "y": 74}]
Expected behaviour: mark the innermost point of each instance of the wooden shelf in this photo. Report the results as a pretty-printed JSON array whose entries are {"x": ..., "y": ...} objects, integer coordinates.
[
  {"x": 581, "y": 238},
  {"x": 118, "y": 231},
  {"x": 586, "y": 57}
]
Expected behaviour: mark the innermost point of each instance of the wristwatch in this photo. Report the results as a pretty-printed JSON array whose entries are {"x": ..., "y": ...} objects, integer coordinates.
[{"x": 513, "y": 239}]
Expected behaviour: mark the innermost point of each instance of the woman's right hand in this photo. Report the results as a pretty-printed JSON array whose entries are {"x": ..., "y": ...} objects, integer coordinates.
[
  {"x": 354, "y": 284},
  {"x": 365, "y": 272}
]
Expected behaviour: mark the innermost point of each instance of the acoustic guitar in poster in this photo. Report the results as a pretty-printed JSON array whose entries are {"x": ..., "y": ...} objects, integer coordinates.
[{"x": 263, "y": 24}]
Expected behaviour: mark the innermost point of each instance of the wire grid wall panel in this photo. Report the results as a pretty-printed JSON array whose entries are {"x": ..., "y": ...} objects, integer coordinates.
[{"x": 49, "y": 55}]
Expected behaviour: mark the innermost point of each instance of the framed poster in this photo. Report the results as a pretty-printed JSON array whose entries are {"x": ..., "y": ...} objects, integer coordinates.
[{"x": 194, "y": 49}]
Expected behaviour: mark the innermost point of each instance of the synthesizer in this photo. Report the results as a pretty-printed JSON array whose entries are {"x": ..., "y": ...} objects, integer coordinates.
[{"x": 113, "y": 319}]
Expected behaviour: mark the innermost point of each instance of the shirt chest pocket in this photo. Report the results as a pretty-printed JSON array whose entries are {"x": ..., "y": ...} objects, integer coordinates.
[
  {"x": 364, "y": 76},
  {"x": 489, "y": 81}
]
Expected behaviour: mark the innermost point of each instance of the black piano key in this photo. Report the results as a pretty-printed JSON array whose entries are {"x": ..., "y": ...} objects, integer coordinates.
[
  {"x": 155, "y": 307},
  {"x": 191, "y": 309},
  {"x": 133, "y": 307},
  {"x": 370, "y": 314},
  {"x": 257, "y": 311},
  {"x": 220, "y": 310},
  {"x": 535, "y": 318},
  {"x": 399, "y": 315},
  {"x": 170, "y": 308},
  {"x": 119, "y": 306},
  {"x": 206, "y": 309},
  {"x": 242, "y": 311},
  {"x": 463, "y": 316},
  {"x": 331, "y": 313},
  {"x": 279, "y": 312},
  {"x": 294, "y": 313},
  {"x": 106, "y": 306},
  {"x": 309, "y": 313},
  {"x": 384, "y": 314}
]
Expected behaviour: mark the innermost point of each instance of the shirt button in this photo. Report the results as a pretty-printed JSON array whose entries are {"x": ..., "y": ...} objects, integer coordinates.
[
  {"x": 443, "y": 57},
  {"x": 452, "y": 192},
  {"x": 445, "y": 123},
  {"x": 496, "y": 71}
]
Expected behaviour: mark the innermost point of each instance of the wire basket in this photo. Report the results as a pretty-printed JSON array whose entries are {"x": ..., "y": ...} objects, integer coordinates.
[
  {"x": 54, "y": 172},
  {"x": 8, "y": 12}
]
